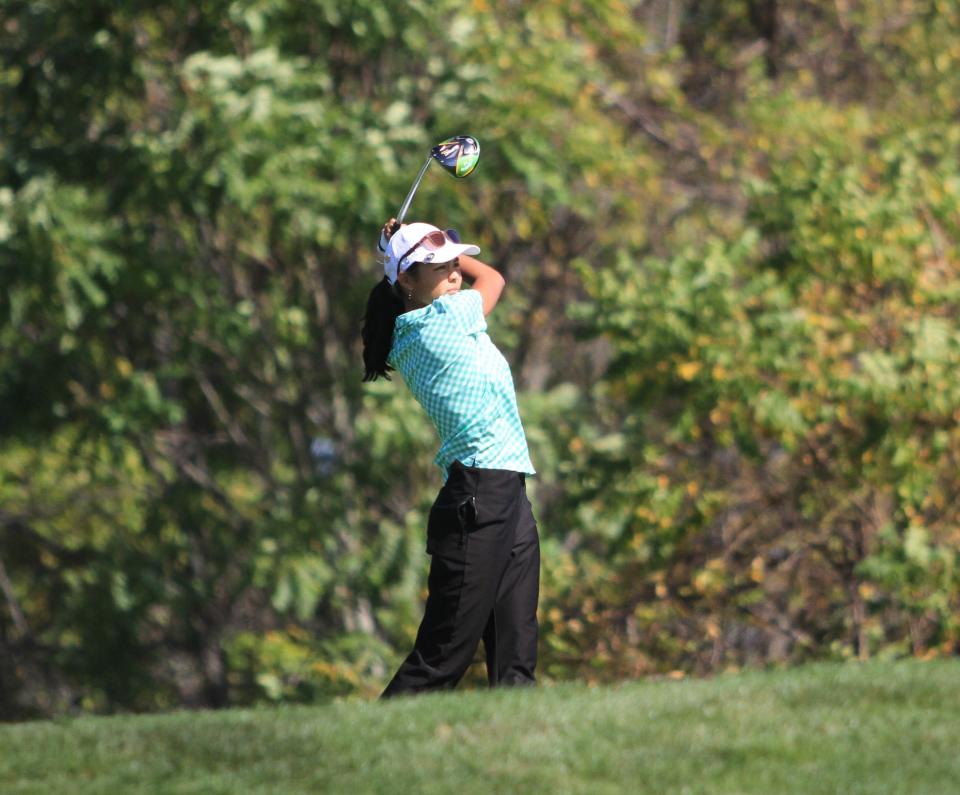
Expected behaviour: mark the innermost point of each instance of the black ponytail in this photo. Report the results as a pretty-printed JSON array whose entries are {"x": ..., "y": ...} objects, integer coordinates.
[{"x": 384, "y": 306}]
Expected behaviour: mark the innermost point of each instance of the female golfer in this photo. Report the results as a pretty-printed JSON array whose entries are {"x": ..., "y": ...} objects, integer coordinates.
[{"x": 481, "y": 534}]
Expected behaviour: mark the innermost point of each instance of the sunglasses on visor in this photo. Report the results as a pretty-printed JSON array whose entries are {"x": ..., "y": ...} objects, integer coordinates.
[{"x": 432, "y": 241}]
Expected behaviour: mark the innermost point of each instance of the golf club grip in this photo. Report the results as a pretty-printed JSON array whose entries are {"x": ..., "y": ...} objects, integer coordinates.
[{"x": 413, "y": 189}]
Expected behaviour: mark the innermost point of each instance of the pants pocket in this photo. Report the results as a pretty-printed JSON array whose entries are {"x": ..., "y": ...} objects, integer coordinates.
[{"x": 448, "y": 525}]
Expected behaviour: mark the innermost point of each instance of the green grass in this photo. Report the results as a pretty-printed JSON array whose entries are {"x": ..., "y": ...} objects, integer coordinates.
[{"x": 871, "y": 728}]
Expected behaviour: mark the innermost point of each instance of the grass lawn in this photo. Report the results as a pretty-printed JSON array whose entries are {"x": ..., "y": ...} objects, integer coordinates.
[{"x": 856, "y": 728}]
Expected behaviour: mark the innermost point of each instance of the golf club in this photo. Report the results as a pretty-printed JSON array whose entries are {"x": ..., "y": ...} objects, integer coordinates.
[{"x": 457, "y": 155}]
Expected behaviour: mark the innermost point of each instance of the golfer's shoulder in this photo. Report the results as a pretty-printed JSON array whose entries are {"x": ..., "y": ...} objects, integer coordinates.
[
  {"x": 464, "y": 306},
  {"x": 450, "y": 318}
]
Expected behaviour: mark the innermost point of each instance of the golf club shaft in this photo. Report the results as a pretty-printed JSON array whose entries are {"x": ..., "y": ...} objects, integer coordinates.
[{"x": 416, "y": 184}]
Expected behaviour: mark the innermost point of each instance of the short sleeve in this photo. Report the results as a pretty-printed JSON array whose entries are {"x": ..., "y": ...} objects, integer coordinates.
[{"x": 466, "y": 307}]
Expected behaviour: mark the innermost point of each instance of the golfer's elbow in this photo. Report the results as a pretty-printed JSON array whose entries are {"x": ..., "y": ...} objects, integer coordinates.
[{"x": 490, "y": 288}]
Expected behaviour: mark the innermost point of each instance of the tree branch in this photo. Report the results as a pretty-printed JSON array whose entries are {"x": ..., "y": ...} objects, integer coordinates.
[{"x": 19, "y": 621}]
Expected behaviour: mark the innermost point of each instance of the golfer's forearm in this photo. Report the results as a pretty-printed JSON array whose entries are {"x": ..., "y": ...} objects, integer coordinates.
[{"x": 486, "y": 280}]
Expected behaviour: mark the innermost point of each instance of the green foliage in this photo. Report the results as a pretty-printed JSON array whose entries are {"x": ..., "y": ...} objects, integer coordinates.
[
  {"x": 731, "y": 240},
  {"x": 792, "y": 425}
]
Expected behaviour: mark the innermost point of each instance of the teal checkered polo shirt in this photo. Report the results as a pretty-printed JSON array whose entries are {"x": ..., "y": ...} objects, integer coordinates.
[{"x": 461, "y": 379}]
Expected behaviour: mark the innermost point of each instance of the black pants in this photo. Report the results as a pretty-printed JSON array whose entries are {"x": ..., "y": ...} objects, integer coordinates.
[{"x": 483, "y": 583}]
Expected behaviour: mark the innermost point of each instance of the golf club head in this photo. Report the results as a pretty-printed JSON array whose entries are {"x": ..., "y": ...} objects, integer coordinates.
[{"x": 458, "y": 155}]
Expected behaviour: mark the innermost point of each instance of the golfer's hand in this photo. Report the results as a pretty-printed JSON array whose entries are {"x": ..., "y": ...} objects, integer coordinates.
[{"x": 389, "y": 228}]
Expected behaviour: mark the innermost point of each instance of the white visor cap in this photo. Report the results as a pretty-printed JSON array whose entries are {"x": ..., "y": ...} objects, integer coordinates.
[{"x": 410, "y": 244}]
